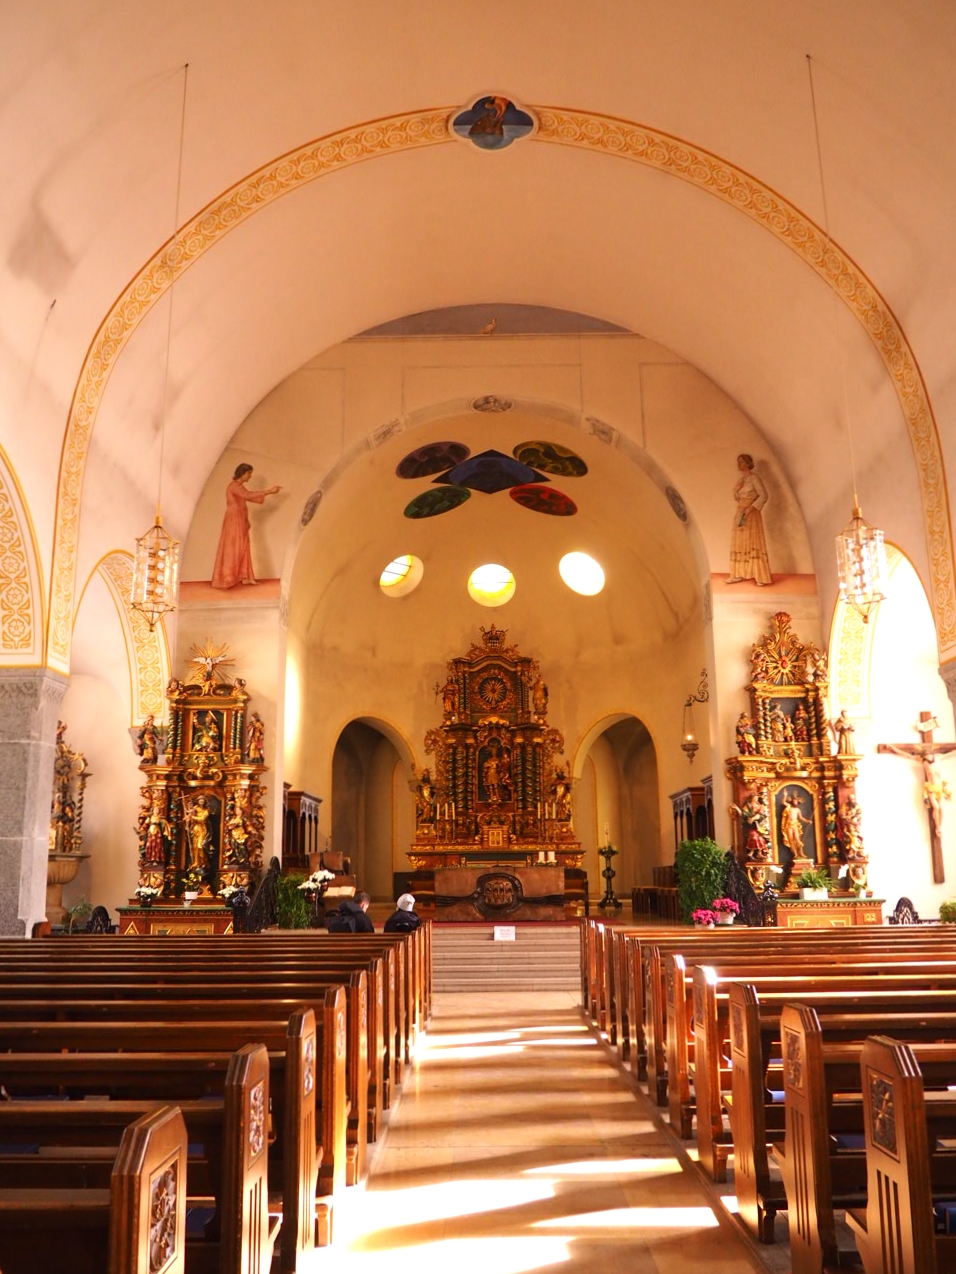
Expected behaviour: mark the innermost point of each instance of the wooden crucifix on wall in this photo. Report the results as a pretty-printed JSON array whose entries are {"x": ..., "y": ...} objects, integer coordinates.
[{"x": 935, "y": 789}]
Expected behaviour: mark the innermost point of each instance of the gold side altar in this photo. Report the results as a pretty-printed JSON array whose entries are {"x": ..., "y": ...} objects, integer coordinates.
[
  {"x": 202, "y": 824},
  {"x": 500, "y": 794},
  {"x": 794, "y": 778}
]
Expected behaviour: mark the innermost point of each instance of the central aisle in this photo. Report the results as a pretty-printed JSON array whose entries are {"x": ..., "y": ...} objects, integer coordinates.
[{"x": 518, "y": 1146}]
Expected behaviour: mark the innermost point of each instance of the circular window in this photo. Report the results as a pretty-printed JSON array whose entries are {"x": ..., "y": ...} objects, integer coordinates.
[
  {"x": 582, "y": 574},
  {"x": 401, "y": 576},
  {"x": 491, "y": 585}
]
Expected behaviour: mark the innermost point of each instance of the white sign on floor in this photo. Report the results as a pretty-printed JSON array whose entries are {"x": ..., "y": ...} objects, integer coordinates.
[{"x": 504, "y": 933}]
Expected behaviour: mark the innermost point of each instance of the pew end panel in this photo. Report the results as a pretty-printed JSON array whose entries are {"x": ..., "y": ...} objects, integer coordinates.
[
  {"x": 246, "y": 1219},
  {"x": 895, "y": 1231},
  {"x": 298, "y": 1235},
  {"x": 759, "y": 1195},
  {"x": 148, "y": 1196}
]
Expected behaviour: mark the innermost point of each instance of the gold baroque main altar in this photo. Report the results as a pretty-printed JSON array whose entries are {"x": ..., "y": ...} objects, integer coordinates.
[{"x": 500, "y": 794}]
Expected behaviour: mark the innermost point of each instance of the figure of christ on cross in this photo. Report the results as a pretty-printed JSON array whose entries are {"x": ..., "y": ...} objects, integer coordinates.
[{"x": 935, "y": 789}]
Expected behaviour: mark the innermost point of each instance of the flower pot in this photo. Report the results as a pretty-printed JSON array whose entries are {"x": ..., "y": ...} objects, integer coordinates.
[
  {"x": 725, "y": 917},
  {"x": 816, "y": 895},
  {"x": 708, "y": 926},
  {"x": 190, "y": 896}
]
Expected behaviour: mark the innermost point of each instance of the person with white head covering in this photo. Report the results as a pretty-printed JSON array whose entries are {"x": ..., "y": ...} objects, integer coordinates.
[{"x": 404, "y": 920}]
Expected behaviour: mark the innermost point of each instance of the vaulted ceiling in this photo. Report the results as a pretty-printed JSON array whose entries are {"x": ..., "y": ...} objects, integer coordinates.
[{"x": 587, "y": 216}]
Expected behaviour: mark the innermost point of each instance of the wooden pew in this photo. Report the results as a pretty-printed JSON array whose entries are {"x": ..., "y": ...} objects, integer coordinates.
[
  {"x": 795, "y": 955},
  {"x": 407, "y": 958},
  {"x": 626, "y": 989},
  {"x": 135, "y": 1065},
  {"x": 895, "y": 1233},
  {"x": 821, "y": 1040},
  {"x": 850, "y": 988},
  {"x": 212, "y": 1003},
  {"x": 823, "y": 1100},
  {"x": 150, "y": 977},
  {"x": 142, "y": 1212}
]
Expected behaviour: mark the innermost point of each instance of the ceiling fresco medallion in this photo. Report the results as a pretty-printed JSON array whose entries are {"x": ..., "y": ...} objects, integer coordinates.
[
  {"x": 492, "y": 403},
  {"x": 458, "y": 474},
  {"x": 492, "y": 122}
]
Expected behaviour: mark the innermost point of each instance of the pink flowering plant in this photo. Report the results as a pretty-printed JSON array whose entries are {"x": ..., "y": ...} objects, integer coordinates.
[
  {"x": 726, "y": 905},
  {"x": 704, "y": 916}
]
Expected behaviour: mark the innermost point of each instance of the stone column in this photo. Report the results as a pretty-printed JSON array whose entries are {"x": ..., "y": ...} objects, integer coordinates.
[{"x": 29, "y": 707}]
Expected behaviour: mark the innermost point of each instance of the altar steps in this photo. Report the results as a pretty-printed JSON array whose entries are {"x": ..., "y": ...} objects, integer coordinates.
[{"x": 542, "y": 958}]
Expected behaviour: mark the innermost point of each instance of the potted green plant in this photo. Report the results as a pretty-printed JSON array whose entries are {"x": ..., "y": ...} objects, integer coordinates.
[
  {"x": 814, "y": 883},
  {"x": 947, "y": 911},
  {"x": 293, "y": 907},
  {"x": 78, "y": 914},
  {"x": 701, "y": 867}
]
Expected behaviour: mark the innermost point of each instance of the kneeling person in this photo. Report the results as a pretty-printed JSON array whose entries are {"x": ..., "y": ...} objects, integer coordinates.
[
  {"x": 351, "y": 917},
  {"x": 404, "y": 920}
]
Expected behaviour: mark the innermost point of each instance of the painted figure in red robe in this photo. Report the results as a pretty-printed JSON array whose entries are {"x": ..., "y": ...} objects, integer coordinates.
[{"x": 234, "y": 556}]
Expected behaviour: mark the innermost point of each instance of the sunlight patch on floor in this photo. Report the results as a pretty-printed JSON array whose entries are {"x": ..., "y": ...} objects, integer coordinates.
[
  {"x": 418, "y": 1205},
  {"x": 634, "y": 1219},
  {"x": 608, "y": 1167}
]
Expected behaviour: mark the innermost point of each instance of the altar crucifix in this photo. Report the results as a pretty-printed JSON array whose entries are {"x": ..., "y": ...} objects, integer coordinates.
[{"x": 935, "y": 789}]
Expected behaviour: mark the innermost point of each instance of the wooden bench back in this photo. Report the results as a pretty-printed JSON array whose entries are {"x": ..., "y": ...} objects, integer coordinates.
[{"x": 148, "y": 1197}]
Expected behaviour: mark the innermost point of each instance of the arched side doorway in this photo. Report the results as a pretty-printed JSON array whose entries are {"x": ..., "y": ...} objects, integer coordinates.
[
  {"x": 617, "y": 797},
  {"x": 372, "y": 808}
]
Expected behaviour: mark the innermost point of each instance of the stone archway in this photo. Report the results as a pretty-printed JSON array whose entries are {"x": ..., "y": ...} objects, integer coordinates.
[
  {"x": 372, "y": 815},
  {"x": 617, "y": 797}
]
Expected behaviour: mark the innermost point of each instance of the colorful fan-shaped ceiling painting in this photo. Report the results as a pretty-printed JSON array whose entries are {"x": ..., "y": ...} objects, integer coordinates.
[
  {"x": 434, "y": 457},
  {"x": 437, "y": 500},
  {"x": 544, "y": 500},
  {"x": 551, "y": 458},
  {"x": 455, "y": 474}
]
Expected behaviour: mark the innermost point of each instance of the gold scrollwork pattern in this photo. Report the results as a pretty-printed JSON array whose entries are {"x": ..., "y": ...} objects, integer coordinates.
[
  {"x": 848, "y": 652},
  {"x": 740, "y": 190},
  {"x": 146, "y": 651},
  {"x": 610, "y": 136},
  {"x": 18, "y": 577},
  {"x": 316, "y": 159}
]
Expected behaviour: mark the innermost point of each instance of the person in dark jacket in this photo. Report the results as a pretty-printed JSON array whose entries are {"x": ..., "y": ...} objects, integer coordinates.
[
  {"x": 351, "y": 917},
  {"x": 404, "y": 920}
]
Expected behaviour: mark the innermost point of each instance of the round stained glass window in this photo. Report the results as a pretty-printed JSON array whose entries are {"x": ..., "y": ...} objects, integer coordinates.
[
  {"x": 491, "y": 585},
  {"x": 582, "y": 574},
  {"x": 401, "y": 576}
]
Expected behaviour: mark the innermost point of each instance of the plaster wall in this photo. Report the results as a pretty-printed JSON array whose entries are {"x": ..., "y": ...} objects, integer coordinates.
[{"x": 903, "y": 681}]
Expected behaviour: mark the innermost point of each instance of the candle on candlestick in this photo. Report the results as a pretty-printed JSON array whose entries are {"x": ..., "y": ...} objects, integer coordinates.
[{"x": 607, "y": 833}]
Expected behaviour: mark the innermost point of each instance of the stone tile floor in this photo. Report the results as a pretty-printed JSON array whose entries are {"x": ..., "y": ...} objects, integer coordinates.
[{"x": 519, "y": 1144}]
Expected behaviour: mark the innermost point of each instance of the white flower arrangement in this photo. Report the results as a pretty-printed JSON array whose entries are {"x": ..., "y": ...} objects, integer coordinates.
[
  {"x": 317, "y": 880},
  {"x": 230, "y": 891},
  {"x": 148, "y": 891}
]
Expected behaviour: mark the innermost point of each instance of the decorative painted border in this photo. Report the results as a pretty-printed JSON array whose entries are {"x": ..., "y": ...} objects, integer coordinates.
[
  {"x": 147, "y": 652},
  {"x": 21, "y": 594},
  {"x": 605, "y": 134}
]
